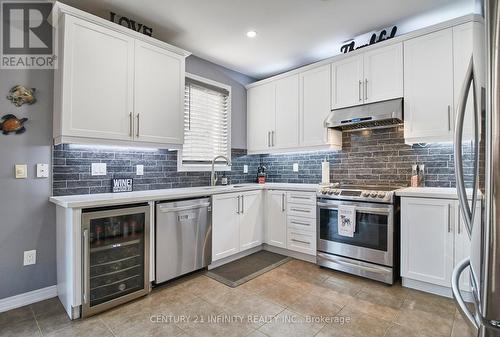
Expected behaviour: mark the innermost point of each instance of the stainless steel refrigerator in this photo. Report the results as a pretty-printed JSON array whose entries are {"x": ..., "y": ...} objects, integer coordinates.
[{"x": 483, "y": 314}]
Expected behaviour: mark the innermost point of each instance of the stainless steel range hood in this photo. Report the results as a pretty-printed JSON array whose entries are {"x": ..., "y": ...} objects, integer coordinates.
[{"x": 368, "y": 116}]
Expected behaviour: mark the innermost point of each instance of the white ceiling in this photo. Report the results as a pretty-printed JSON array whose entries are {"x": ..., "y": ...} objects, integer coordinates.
[{"x": 291, "y": 33}]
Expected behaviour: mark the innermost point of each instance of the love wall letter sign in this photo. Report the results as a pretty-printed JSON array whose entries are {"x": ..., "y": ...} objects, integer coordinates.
[{"x": 129, "y": 23}]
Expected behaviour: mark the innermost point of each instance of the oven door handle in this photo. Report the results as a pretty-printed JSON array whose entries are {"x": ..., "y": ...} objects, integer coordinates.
[
  {"x": 350, "y": 264},
  {"x": 370, "y": 210}
]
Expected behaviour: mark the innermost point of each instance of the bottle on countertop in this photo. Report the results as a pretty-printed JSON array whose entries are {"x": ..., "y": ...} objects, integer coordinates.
[
  {"x": 261, "y": 174},
  {"x": 224, "y": 179},
  {"x": 421, "y": 175},
  {"x": 414, "y": 176}
]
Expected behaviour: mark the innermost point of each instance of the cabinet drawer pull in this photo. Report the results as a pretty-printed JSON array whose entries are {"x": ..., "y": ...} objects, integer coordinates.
[
  {"x": 300, "y": 223},
  {"x": 449, "y": 117},
  {"x": 301, "y": 241},
  {"x": 299, "y": 197},
  {"x": 301, "y": 210}
]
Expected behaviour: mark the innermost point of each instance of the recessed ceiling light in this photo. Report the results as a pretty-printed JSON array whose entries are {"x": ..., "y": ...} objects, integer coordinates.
[{"x": 251, "y": 33}]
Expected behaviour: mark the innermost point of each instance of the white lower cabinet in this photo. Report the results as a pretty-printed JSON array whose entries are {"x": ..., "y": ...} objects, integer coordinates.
[
  {"x": 225, "y": 226},
  {"x": 433, "y": 240},
  {"x": 276, "y": 218},
  {"x": 237, "y": 223},
  {"x": 301, "y": 241},
  {"x": 251, "y": 220}
]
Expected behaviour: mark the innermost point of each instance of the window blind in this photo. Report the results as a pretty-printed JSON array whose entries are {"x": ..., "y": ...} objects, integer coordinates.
[{"x": 206, "y": 129}]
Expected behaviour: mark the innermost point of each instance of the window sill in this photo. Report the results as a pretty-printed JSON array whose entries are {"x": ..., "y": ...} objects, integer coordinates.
[{"x": 202, "y": 168}]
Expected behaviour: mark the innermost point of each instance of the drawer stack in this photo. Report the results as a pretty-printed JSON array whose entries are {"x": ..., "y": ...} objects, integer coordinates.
[{"x": 301, "y": 222}]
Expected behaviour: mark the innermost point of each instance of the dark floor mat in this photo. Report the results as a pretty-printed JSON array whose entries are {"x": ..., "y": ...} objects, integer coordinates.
[{"x": 242, "y": 270}]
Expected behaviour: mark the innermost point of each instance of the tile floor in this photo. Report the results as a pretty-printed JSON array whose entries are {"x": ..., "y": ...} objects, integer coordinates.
[{"x": 295, "y": 299}]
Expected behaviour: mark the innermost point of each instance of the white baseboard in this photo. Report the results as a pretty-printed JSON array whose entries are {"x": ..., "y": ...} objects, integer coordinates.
[
  {"x": 291, "y": 253},
  {"x": 434, "y": 289},
  {"x": 30, "y": 297}
]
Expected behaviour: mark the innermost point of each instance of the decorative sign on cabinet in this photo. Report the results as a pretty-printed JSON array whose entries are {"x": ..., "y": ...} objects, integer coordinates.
[{"x": 116, "y": 86}]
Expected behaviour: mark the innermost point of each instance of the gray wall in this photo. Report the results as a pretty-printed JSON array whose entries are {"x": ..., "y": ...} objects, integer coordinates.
[
  {"x": 237, "y": 81},
  {"x": 27, "y": 220}
]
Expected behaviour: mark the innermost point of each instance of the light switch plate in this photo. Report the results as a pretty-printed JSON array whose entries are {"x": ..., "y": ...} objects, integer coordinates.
[
  {"x": 98, "y": 169},
  {"x": 21, "y": 171},
  {"x": 295, "y": 167},
  {"x": 245, "y": 168},
  {"x": 42, "y": 170},
  {"x": 29, "y": 257},
  {"x": 139, "y": 170}
]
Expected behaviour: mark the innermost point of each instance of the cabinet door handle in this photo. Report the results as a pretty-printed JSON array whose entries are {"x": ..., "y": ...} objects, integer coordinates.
[
  {"x": 272, "y": 138},
  {"x": 131, "y": 126},
  {"x": 268, "y": 138},
  {"x": 366, "y": 88},
  {"x": 459, "y": 230},
  {"x": 238, "y": 205},
  {"x": 360, "y": 83},
  {"x": 283, "y": 202},
  {"x": 449, "y": 117},
  {"x": 242, "y": 204},
  {"x": 138, "y": 124},
  {"x": 449, "y": 220},
  {"x": 85, "y": 252}
]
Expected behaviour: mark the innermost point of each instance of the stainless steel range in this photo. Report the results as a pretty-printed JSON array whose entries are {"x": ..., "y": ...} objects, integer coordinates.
[{"x": 371, "y": 249}]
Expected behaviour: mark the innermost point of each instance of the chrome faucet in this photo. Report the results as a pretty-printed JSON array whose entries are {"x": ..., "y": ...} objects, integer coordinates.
[{"x": 213, "y": 177}]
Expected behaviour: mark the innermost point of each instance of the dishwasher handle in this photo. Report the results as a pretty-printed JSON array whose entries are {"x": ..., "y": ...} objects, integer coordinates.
[{"x": 182, "y": 208}]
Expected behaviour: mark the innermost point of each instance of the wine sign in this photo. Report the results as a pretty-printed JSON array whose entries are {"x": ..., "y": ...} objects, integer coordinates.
[
  {"x": 122, "y": 185},
  {"x": 375, "y": 38},
  {"x": 129, "y": 23}
]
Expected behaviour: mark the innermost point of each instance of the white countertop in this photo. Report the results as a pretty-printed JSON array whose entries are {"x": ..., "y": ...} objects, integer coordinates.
[
  {"x": 432, "y": 192},
  {"x": 110, "y": 199}
]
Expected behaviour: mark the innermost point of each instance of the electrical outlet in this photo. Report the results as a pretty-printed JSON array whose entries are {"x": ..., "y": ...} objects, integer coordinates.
[
  {"x": 295, "y": 167},
  {"x": 42, "y": 170},
  {"x": 21, "y": 171},
  {"x": 245, "y": 168},
  {"x": 29, "y": 257},
  {"x": 139, "y": 170},
  {"x": 98, "y": 169}
]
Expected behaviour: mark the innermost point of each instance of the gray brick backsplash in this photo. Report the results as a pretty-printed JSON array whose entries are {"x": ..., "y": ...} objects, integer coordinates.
[{"x": 374, "y": 157}]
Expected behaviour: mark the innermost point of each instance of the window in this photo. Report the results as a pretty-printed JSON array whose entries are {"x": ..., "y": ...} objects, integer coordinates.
[{"x": 207, "y": 124}]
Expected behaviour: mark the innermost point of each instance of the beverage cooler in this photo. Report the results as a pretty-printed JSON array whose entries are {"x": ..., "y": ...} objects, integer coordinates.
[{"x": 115, "y": 250}]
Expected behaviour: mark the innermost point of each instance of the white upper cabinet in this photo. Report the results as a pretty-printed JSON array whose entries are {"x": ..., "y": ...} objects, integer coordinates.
[
  {"x": 113, "y": 87},
  {"x": 383, "y": 73},
  {"x": 347, "y": 82},
  {"x": 260, "y": 116},
  {"x": 98, "y": 83},
  {"x": 468, "y": 40},
  {"x": 428, "y": 87},
  {"x": 286, "y": 131},
  {"x": 314, "y": 106},
  {"x": 159, "y": 95},
  {"x": 373, "y": 76}
]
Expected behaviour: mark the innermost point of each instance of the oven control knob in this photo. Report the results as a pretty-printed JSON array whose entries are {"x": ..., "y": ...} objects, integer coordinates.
[
  {"x": 373, "y": 194},
  {"x": 336, "y": 192},
  {"x": 381, "y": 195},
  {"x": 365, "y": 194},
  {"x": 323, "y": 191},
  {"x": 330, "y": 192}
]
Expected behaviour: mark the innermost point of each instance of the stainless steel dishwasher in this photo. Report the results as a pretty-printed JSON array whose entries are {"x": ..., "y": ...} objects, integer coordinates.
[{"x": 183, "y": 237}]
